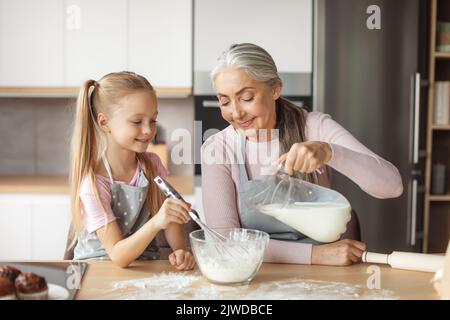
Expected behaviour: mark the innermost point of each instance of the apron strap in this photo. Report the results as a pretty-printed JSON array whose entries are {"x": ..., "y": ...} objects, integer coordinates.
[
  {"x": 108, "y": 168},
  {"x": 243, "y": 176},
  {"x": 140, "y": 173}
]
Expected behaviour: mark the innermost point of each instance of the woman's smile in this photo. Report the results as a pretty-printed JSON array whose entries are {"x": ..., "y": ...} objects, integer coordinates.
[{"x": 246, "y": 124}]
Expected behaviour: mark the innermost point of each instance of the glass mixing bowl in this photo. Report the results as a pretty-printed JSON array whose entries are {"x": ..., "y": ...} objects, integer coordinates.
[{"x": 233, "y": 261}]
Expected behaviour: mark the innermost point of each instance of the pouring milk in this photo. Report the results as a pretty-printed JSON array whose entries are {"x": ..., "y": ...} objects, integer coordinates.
[
  {"x": 317, "y": 212},
  {"x": 321, "y": 221}
]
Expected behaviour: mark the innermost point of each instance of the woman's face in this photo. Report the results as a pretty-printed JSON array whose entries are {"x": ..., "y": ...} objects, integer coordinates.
[{"x": 245, "y": 103}]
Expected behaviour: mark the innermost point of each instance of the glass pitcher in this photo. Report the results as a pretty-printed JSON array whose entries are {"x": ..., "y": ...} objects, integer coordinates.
[{"x": 320, "y": 213}]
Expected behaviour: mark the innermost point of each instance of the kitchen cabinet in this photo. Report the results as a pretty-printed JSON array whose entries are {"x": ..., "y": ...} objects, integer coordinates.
[
  {"x": 160, "y": 41},
  {"x": 15, "y": 228},
  {"x": 97, "y": 43},
  {"x": 51, "y": 46},
  {"x": 31, "y": 43},
  {"x": 50, "y": 224},
  {"x": 283, "y": 28},
  {"x": 33, "y": 226}
]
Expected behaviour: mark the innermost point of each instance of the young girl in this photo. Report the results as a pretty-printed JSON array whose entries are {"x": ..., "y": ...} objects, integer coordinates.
[{"x": 117, "y": 208}]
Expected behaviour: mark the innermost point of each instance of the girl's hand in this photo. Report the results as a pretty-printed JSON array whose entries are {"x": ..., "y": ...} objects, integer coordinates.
[
  {"x": 306, "y": 157},
  {"x": 172, "y": 210},
  {"x": 182, "y": 260},
  {"x": 340, "y": 253}
]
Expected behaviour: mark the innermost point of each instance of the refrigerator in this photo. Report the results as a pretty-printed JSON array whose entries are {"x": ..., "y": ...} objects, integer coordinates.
[{"x": 369, "y": 65}]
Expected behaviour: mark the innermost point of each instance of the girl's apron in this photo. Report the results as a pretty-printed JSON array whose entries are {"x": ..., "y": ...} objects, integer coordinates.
[
  {"x": 129, "y": 206},
  {"x": 252, "y": 218}
]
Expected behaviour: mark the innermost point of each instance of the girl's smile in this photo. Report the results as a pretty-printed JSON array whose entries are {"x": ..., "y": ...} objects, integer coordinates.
[{"x": 144, "y": 141}]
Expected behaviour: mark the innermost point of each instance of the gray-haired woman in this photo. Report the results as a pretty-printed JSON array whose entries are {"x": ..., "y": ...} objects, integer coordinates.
[{"x": 248, "y": 87}]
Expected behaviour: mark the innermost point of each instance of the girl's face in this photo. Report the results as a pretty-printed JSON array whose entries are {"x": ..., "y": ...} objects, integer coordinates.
[
  {"x": 132, "y": 124},
  {"x": 245, "y": 103}
]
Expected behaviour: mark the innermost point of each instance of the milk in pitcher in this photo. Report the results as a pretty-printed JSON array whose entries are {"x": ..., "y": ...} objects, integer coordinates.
[{"x": 321, "y": 221}]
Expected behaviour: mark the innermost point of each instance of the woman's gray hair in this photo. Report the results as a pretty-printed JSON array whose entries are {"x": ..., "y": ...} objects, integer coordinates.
[{"x": 256, "y": 61}]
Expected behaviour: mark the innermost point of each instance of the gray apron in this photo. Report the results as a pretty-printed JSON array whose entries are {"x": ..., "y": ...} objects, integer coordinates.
[
  {"x": 129, "y": 206},
  {"x": 252, "y": 218}
]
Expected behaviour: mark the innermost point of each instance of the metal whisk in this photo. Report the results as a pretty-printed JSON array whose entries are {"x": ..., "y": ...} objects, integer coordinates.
[{"x": 219, "y": 241}]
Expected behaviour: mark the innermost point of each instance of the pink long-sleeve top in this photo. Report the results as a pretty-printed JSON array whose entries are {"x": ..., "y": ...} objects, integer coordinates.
[{"x": 220, "y": 176}]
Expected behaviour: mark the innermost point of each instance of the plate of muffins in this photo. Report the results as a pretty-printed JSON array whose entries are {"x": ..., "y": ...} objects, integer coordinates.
[{"x": 28, "y": 286}]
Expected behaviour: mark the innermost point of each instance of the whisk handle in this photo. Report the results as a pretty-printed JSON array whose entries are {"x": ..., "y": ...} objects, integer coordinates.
[
  {"x": 195, "y": 218},
  {"x": 170, "y": 191},
  {"x": 167, "y": 189}
]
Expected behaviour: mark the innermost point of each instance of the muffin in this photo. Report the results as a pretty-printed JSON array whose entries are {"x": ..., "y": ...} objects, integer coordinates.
[
  {"x": 7, "y": 289},
  {"x": 30, "y": 286},
  {"x": 9, "y": 272}
]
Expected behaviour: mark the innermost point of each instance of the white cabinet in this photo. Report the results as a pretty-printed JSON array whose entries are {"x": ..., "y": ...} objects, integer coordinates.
[
  {"x": 50, "y": 225},
  {"x": 33, "y": 226},
  {"x": 96, "y": 40},
  {"x": 54, "y": 43},
  {"x": 160, "y": 36},
  {"x": 283, "y": 28},
  {"x": 15, "y": 228},
  {"x": 31, "y": 43}
]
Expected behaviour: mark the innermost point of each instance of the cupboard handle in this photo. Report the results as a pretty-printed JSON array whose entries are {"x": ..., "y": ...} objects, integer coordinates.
[
  {"x": 412, "y": 240},
  {"x": 210, "y": 104},
  {"x": 416, "y": 118}
]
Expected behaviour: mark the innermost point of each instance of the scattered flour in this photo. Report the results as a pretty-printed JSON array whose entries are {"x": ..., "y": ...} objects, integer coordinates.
[{"x": 191, "y": 285}]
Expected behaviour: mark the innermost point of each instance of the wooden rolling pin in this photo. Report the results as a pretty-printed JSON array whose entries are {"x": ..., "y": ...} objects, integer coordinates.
[{"x": 406, "y": 260}]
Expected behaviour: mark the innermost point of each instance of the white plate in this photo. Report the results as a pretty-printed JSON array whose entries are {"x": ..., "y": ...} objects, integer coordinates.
[{"x": 56, "y": 292}]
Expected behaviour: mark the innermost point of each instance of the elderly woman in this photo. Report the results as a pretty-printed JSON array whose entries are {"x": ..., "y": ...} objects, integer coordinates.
[{"x": 265, "y": 129}]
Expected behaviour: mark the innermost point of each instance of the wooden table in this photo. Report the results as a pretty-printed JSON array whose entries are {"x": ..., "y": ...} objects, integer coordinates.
[{"x": 404, "y": 284}]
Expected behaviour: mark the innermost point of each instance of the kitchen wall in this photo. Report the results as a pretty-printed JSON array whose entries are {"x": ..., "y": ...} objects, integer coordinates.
[{"x": 35, "y": 133}]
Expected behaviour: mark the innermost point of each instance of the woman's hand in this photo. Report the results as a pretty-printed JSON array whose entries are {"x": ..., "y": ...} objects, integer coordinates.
[
  {"x": 182, "y": 260},
  {"x": 306, "y": 157},
  {"x": 340, "y": 253},
  {"x": 172, "y": 210}
]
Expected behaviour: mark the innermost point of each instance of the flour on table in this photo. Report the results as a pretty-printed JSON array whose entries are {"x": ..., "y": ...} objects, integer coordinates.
[{"x": 192, "y": 285}]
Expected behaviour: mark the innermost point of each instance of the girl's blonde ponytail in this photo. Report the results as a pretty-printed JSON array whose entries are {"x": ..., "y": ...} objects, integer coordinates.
[{"x": 83, "y": 153}]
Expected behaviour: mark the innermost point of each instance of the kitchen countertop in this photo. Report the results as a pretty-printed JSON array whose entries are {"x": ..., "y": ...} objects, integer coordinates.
[
  {"x": 100, "y": 276},
  {"x": 59, "y": 184}
]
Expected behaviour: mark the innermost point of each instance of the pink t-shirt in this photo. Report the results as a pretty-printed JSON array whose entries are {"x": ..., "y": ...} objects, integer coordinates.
[
  {"x": 220, "y": 181},
  {"x": 93, "y": 215}
]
